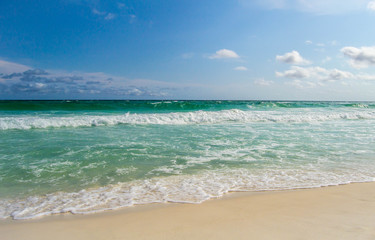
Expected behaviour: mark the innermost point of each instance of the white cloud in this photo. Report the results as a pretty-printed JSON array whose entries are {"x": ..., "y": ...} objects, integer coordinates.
[
  {"x": 371, "y": 5},
  {"x": 110, "y": 16},
  {"x": 224, "y": 53},
  {"x": 22, "y": 81},
  {"x": 322, "y": 45},
  {"x": 10, "y": 67},
  {"x": 327, "y": 59},
  {"x": 133, "y": 18},
  {"x": 134, "y": 91},
  {"x": 311, "y": 77},
  {"x": 360, "y": 57},
  {"x": 303, "y": 84},
  {"x": 262, "y": 82},
  {"x": 314, "y": 6},
  {"x": 107, "y": 16},
  {"x": 295, "y": 72},
  {"x": 295, "y": 83},
  {"x": 292, "y": 57},
  {"x": 40, "y": 85},
  {"x": 367, "y": 77},
  {"x": 97, "y": 12},
  {"x": 336, "y": 74},
  {"x": 315, "y": 73},
  {"x": 333, "y": 43},
  {"x": 240, "y": 68}
]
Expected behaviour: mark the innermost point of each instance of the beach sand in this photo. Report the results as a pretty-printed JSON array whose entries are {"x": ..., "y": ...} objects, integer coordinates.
[{"x": 340, "y": 212}]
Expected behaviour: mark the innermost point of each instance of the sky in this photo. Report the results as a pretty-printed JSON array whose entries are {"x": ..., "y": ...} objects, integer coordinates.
[{"x": 188, "y": 49}]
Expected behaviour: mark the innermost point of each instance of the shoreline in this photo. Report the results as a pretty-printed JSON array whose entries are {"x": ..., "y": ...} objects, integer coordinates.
[{"x": 334, "y": 212}]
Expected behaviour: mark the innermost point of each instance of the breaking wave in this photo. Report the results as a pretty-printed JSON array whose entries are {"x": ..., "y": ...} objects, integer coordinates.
[
  {"x": 179, "y": 189},
  {"x": 178, "y": 118}
]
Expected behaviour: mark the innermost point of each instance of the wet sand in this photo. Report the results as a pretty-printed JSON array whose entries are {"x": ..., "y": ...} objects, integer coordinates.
[{"x": 339, "y": 212}]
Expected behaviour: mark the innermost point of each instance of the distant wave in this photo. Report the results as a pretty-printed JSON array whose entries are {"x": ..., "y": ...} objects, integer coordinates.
[
  {"x": 152, "y": 106},
  {"x": 179, "y": 118}
]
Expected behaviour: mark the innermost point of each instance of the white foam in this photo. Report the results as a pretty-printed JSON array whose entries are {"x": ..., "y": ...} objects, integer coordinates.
[
  {"x": 180, "y": 118},
  {"x": 125, "y": 171},
  {"x": 182, "y": 188}
]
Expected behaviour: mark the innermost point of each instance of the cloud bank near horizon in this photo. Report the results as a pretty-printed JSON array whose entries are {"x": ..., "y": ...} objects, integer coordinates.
[{"x": 21, "y": 81}]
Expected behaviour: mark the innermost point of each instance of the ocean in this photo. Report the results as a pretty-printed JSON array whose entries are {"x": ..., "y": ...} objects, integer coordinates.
[{"x": 90, "y": 156}]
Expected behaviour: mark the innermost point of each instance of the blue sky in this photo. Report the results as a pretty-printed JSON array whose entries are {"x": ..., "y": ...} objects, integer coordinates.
[{"x": 232, "y": 49}]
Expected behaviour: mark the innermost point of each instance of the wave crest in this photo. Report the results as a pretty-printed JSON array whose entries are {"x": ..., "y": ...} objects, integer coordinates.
[
  {"x": 178, "y": 118},
  {"x": 182, "y": 189}
]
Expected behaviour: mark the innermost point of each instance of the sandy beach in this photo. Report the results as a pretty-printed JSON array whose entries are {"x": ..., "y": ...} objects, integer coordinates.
[{"x": 339, "y": 212}]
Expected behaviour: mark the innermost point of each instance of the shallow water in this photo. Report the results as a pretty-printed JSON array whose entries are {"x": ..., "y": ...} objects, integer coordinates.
[{"x": 88, "y": 156}]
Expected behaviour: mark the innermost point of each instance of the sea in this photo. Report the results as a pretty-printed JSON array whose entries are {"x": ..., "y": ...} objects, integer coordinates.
[{"x": 83, "y": 157}]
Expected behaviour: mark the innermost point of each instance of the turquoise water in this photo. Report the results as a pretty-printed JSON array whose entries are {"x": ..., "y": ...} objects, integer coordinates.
[{"x": 89, "y": 156}]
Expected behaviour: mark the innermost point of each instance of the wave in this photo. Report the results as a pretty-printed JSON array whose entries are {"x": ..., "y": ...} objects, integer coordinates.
[
  {"x": 152, "y": 106},
  {"x": 180, "y": 189},
  {"x": 178, "y": 118}
]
